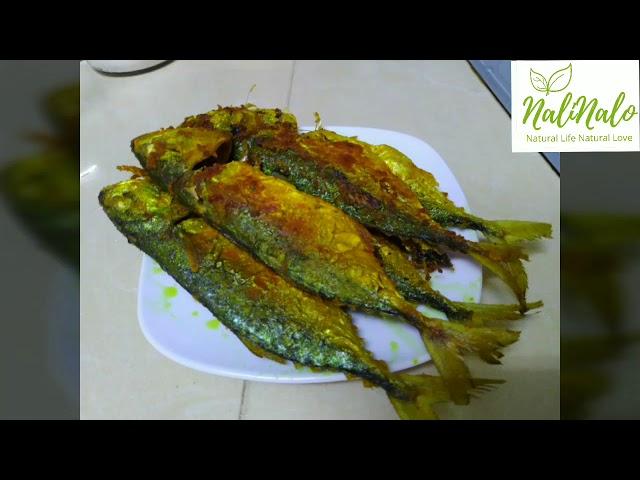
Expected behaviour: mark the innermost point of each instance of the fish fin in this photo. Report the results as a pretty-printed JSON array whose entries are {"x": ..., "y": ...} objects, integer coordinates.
[
  {"x": 136, "y": 172},
  {"x": 261, "y": 352},
  {"x": 499, "y": 251},
  {"x": 513, "y": 231},
  {"x": 418, "y": 409},
  {"x": 481, "y": 314},
  {"x": 428, "y": 391},
  {"x": 451, "y": 366},
  {"x": 448, "y": 341},
  {"x": 507, "y": 265},
  {"x": 485, "y": 342}
]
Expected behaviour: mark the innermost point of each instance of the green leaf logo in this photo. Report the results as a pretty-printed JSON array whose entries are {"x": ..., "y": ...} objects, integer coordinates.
[
  {"x": 538, "y": 81},
  {"x": 556, "y": 83}
]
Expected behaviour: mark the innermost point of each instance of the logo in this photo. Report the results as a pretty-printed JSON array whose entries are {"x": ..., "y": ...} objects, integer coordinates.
[
  {"x": 575, "y": 106},
  {"x": 557, "y": 82}
]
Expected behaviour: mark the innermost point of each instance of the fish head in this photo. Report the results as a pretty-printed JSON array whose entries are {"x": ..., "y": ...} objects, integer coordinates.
[
  {"x": 139, "y": 206},
  {"x": 170, "y": 153}
]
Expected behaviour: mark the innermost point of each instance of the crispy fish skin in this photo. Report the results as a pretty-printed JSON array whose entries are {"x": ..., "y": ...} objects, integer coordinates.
[
  {"x": 241, "y": 292},
  {"x": 346, "y": 175},
  {"x": 399, "y": 207},
  {"x": 315, "y": 244},
  {"x": 243, "y": 122},
  {"x": 248, "y": 120},
  {"x": 252, "y": 300},
  {"x": 346, "y": 179},
  {"x": 341, "y": 174},
  {"x": 323, "y": 250},
  {"x": 438, "y": 204},
  {"x": 426, "y": 256}
]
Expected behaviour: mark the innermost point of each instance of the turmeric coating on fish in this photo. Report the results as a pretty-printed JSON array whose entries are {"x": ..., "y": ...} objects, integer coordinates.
[
  {"x": 243, "y": 123},
  {"x": 437, "y": 203},
  {"x": 315, "y": 245},
  {"x": 368, "y": 182},
  {"x": 267, "y": 313},
  {"x": 347, "y": 176},
  {"x": 302, "y": 225}
]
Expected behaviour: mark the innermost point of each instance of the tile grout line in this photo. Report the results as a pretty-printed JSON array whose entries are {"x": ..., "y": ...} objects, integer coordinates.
[
  {"x": 293, "y": 70},
  {"x": 242, "y": 395},
  {"x": 244, "y": 382}
]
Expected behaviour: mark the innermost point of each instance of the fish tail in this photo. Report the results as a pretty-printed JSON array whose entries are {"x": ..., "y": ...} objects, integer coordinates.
[
  {"x": 513, "y": 231},
  {"x": 481, "y": 314},
  {"x": 448, "y": 341},
  {"x": 486, "y": 342},
  {"x": 425, "y": 391},
  {"x": 506, "y": 262}
]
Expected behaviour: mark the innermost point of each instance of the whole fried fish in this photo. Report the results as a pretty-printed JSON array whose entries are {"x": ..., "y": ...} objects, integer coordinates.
[
  {"x": 270, "y": 315},
  {"x": 310, "y": 242},
  {"x": 437, "y": 203}
]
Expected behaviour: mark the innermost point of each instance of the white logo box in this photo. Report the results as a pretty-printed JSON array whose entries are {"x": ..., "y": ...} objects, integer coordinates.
[{"x": 609, "y": 88}]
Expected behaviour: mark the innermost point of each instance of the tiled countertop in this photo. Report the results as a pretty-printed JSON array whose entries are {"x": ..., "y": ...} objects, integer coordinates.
[{"x": 442, "y": 102}]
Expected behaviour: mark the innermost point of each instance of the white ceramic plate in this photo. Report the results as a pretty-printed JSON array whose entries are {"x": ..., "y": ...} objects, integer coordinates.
[{"x": 185, "y": 331}]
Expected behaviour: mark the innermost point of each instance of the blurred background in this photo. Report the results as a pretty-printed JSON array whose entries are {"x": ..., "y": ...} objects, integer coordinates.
[
  {"x": 600, "y": 268},
  {"x": 600, "y": 273},
  {"x": 39, "y": 254}
]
